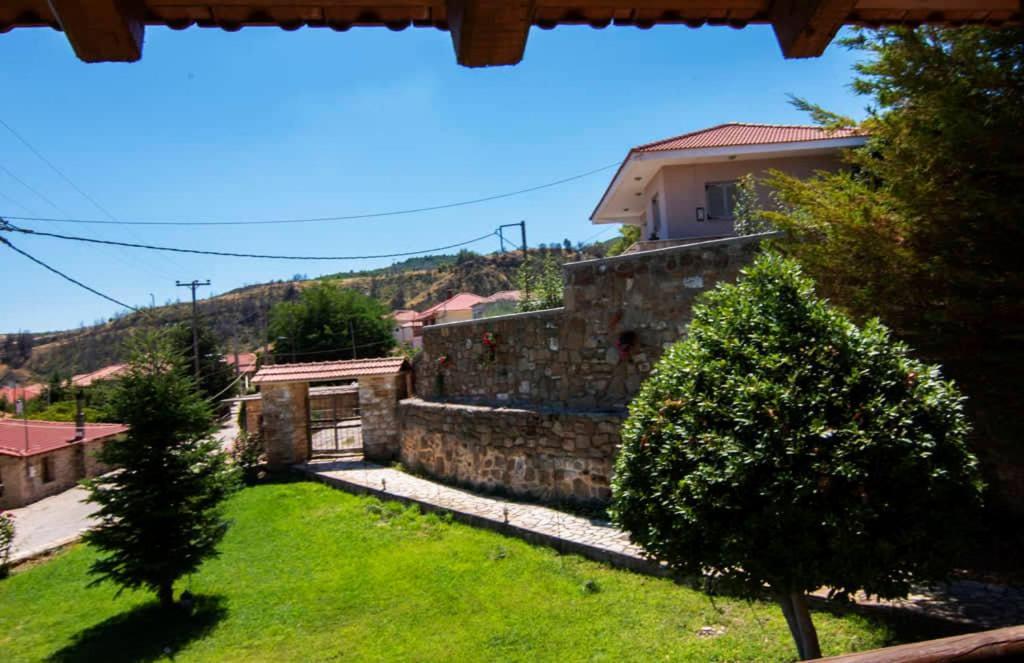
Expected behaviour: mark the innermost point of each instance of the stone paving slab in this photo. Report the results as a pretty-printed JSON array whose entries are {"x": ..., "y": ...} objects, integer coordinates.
[
  {"x": 50, "y": 523},
  {"x": 967, "y": 602}
]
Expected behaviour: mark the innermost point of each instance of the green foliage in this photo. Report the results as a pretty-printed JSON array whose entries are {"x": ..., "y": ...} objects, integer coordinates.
[
  {"x": 160, "y": 515},
  {"x": 779, "y": 444},
  {"x": 309, "y": 573},
  {"x": 7, "y": 530},
  {"x": 65, "y": 411},
  {"x": 215, "y": 375},
  {"x": 747, "y": 214},
  {"x": 540, "y": 283},
  {"x": 926, "y": 230},
  {"x": 247, "y": 453},
  {"x": 628, "y": 236},
  {"x": 326, "y": 321}
]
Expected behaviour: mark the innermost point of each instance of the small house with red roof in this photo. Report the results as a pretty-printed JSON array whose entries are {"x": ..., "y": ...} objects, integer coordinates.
[
  {"x": 683, "y": 188},
  {"x": 453, "y": 309},
  {"x": 42, "y": 458},
  {"x": 405, "y": 327}
]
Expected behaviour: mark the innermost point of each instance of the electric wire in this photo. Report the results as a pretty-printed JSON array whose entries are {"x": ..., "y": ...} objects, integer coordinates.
[
  {"x": 231, "y": 254},
  {"x": 349, "y": 217},
  {"x": 64, "y": 276}
]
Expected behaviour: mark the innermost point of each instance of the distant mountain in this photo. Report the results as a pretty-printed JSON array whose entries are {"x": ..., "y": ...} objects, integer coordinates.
[{"x": 240, "y": 316}]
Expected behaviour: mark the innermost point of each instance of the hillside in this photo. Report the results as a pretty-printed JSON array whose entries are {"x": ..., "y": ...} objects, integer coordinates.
[{"x": 240, "y": 316}]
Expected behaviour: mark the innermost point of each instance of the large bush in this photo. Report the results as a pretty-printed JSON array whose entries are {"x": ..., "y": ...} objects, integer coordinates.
[{"x": 781, "y": 447}]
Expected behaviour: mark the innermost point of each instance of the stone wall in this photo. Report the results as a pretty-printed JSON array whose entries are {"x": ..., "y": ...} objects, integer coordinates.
[
  {"x": 285, "y": 409},
  {"x": 538, "y": 413},
  {"x": 544, "y": 454},
  {"x": 22, "y": 477},
  {"x": 620, "y": 313},
  {"x": 378, "y": 407}
]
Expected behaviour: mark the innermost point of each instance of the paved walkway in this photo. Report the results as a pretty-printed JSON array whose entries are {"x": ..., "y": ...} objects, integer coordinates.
[
  {"x": 978, "y": 604},
  {"x": 50, "y": 522}
]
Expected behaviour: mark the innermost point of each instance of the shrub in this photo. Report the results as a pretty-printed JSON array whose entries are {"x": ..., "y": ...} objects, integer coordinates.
[
  {"x": 780, "y": 446},
  {"x": 247, "y": 453},
  {"x": 6, "y": 542}
]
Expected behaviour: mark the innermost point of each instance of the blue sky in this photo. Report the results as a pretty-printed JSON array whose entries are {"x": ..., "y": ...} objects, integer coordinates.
[{"x": 264, "y": 123}]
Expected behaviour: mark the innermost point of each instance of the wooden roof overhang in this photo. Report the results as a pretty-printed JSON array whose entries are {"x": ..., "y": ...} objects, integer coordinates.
[{"x": 484, "y": 32}]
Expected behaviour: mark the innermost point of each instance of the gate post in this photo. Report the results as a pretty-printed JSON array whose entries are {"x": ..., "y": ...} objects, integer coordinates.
[
  {"x": 285, "y": 423},
  {"x": 378, "y": 408}
]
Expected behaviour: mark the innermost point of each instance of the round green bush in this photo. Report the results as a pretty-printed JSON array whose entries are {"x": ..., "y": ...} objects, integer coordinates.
[{"x": 780, "y": 445}]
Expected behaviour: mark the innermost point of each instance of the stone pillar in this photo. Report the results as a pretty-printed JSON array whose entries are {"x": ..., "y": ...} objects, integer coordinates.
[
  {"x": 285, "y": 423},
  {"x": 378, "y": 407}
]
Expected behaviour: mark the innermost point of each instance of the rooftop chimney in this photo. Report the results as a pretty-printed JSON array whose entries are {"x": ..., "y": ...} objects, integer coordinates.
[{"x": 79, "y": 416}]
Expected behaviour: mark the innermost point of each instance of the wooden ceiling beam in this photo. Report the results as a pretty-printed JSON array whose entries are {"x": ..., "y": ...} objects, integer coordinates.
[
  {"x": 489, "y": 32},
  {"x": 805, "y": 28},
  {"x": 102, "y": 30}
]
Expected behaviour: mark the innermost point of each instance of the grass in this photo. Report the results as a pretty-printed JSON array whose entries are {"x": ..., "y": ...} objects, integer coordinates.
[{"x": 309, "y": 573}]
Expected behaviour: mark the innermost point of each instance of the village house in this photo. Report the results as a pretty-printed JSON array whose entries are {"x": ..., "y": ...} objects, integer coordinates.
[
  {"x": 500, "y": 303},
  {"x": 455, "y": 308},
  {"x": 244, "y": 364},
  {"x": 405, "y": 328},
  {"x": 111, "y": 372},
  {"x": 42, "y": 458},
  {"x": 683, "y": 188}
]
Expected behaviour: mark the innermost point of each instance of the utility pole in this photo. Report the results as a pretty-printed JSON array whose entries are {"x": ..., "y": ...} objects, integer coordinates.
[
  {"x": 195, "y": 320},
  {"x": 522, "y": 232},
  {"x": 352, "y": 338}
]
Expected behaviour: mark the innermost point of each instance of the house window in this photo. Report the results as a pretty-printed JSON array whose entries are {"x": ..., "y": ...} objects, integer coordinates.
[
  {"x": 721, "y": 200},
  {"x": 47, "y": 469}
]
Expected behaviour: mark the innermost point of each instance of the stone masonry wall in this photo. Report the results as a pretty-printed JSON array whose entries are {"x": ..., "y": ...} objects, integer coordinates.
[
  {"x": 378, "y": 406},
  {"x": 620, "y": 313},
  {"x": 285, "y": 409},
  {"x": 22, "y": 478},
  {"x": 539, "y": 413},
  {"x": 548, "y": 455}
]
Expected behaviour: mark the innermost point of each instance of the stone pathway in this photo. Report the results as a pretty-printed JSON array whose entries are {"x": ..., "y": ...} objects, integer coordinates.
[
  {"x": 51, "y": 522},
  {"x": 977, "y": 604}
]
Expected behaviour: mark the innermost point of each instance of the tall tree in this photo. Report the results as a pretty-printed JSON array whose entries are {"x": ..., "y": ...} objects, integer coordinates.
[
  {"x": 925, "y": 230},
  {"x": 781, "y": 446},
  {"x": 160, "y": 515},
  {"x": 328, "y": 323},
  {"x": 215, "y": 374}
]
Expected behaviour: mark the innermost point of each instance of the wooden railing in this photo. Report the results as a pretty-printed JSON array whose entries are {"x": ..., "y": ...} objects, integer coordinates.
[{"x": 1004, "y": 644}]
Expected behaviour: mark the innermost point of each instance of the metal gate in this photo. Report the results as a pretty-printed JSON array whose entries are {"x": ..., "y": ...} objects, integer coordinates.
[{"x": 335, "y": 427}]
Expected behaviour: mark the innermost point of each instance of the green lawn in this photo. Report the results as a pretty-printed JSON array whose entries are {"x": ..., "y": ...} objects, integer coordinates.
[{"x": 309, "y": 573}]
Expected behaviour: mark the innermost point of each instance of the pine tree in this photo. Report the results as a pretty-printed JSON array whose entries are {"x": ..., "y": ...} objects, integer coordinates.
[{"x": 160, "y": 514}]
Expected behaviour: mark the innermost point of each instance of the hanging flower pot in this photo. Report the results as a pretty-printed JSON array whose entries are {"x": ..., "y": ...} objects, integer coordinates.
[{"x": 490, "y": 341}]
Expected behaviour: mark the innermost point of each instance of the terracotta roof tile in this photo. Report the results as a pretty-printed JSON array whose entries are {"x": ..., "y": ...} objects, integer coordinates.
[
  {"x": 324, "y": 371},
  {"x": 246, "y": 361},
  {"x": 736, "y": 134},
  {"x": 44, "y": 436},
  {"x": 461, "y": 302},
  {"x": 105, "y": 373}
]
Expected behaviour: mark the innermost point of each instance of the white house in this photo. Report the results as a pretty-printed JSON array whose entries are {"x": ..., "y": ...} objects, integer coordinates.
[{"x": 684, "y": 188}]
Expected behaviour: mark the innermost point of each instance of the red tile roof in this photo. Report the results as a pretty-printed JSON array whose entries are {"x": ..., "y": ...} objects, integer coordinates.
[
  {"x": 105, "y": 373},
  {"x": 246, "y": 361},
  {"x": 461, "y": 302},
  {"x": 404, "y": 315},
  {"x": 736, "y": 133},
  {"x": 28, "y": 392},
  {"x": 44, "y": 436},
  {"x": 325, "y": 371},
  {"x": 502, "y": 296}
]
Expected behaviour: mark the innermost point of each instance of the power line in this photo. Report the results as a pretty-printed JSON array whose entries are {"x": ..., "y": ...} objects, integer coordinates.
[
  {"x": 350, "y": 217},
  {"x": 230, "y": 254},
  {"x": 25, "y": 184},
  {"x": 57, "y": 170},
  {"x": 64, "y": 276}
]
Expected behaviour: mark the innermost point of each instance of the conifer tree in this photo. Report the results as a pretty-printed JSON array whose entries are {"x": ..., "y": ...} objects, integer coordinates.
[{"x": 160, "y": 512}]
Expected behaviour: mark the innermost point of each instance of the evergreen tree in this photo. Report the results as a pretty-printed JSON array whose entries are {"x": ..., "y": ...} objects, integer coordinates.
[
  {"x": 215, "y": 374},
  {"x": 779, "y": 446},
  {"x": 160, "y": 514}
]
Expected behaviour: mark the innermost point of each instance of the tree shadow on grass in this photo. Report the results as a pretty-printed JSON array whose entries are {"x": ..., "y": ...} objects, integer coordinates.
[{"x": 145, "y": 633}]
